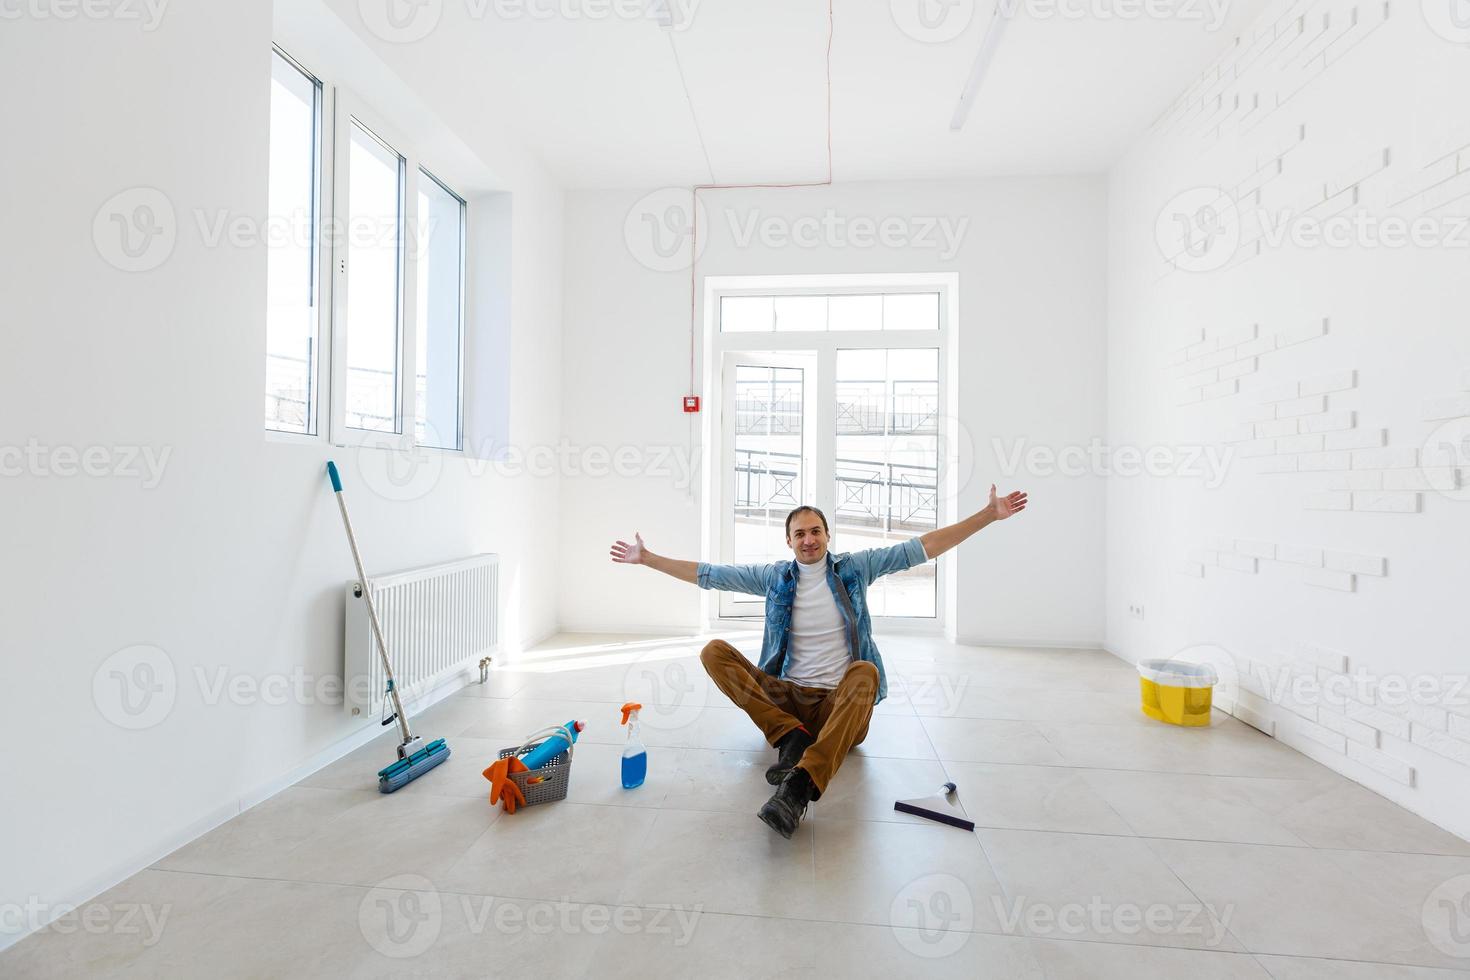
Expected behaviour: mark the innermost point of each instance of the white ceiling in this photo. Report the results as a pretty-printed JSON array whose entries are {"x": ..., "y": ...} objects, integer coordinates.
[{"x": 603, "y": 103}]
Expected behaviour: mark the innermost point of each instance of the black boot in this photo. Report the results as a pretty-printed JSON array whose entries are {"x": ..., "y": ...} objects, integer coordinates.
[
  {"x": 791, "y": 746},
  {"x": 783, "y": 811}
]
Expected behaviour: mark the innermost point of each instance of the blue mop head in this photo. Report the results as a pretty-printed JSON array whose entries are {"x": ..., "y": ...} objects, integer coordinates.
[{"x": 405, "y": 771}]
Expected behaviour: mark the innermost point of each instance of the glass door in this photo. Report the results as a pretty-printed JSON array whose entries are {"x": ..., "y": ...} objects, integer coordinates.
[
  {"x": 887, "y": 465},
  {"x": 769, "y": 427}
]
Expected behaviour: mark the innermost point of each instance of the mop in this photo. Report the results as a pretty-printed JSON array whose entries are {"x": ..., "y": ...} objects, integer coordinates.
[
  {"x": 943, "y": 806},
  {"x": 415, "y": 757}
]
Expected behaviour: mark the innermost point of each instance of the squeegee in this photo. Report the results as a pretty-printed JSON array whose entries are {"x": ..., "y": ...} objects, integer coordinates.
[{"x": 943, "y": 806}]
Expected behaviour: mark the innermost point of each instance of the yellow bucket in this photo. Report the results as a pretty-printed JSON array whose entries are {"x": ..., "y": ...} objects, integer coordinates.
[{"x": 1176, "y": 692}]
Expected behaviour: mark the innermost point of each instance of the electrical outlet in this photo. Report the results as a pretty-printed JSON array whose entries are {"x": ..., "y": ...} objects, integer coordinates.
[{"x": 1136, "y": 610}]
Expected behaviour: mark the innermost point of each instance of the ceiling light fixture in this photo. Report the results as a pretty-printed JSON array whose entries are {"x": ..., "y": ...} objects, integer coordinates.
[{"x": 980, "y": 67}]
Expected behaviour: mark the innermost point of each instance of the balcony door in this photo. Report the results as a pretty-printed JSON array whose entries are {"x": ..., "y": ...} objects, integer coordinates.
[
  {"x": 769, "y": 431},
  {"x": 854, "y": 431}
]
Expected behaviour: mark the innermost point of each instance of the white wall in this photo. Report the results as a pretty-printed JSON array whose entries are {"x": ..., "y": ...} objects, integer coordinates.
[
  {"x": 1396, "y": 316},
  {"x": 236, "y": 559},
  {"x": 1032, "y": 314}
]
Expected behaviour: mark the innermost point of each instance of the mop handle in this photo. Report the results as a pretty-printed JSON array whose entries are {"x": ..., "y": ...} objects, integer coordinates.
[{"x": 367, "y": 595}]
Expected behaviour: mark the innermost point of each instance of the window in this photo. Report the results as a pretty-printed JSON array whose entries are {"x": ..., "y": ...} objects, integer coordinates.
[
  {"x": 440, "y": 314},
  {"x": 374, "y": 245},
  {"x": 836, "y": 312},
  {"x": 293, "y": 280},
  {"x": 356, "y": 217}
]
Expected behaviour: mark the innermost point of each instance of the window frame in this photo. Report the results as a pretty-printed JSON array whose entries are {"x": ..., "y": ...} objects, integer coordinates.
[
  {"x": 349, "y": 110},
  {"x": 464, "y": 222},
  {"x": 716, "y": 345},
  {"x": 337, "y": 108},
  {"x": 322, "y": 265}
]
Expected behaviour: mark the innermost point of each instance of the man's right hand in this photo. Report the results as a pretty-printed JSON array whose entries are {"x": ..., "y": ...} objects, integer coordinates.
[{"x": 628, "y": 554}]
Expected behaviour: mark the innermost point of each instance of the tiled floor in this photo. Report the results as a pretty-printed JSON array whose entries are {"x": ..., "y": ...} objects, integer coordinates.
[{"x": 1107, "y": 846}]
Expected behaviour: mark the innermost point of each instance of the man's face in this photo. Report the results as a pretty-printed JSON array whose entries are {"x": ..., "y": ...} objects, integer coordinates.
[{"x": 807, "y": 538}]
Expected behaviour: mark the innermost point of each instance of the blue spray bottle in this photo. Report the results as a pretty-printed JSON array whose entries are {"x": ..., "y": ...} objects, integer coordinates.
[{"x": 635, "y": 756}]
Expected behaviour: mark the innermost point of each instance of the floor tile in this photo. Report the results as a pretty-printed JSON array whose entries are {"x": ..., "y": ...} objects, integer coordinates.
[
  {"x": 902, "y": 866},
  {"x": 1228, "y": 750},
  {"x": 1112, "y": 889},
  {"x": 1310, "y": 902},
  {"x": 388, "y": 834},
  {"x": 1218, "y": 808},
  {"x": 988, "y": 740},
  {"x": 251, "y": 842},
  {"x": 1112, "y": 961},
  {"x": 558, "y": 850},
  {"x": 1338, "y": 813},
  {"x": 1022, "y": 704},
  {"x": 735, "y": 947},
  {"x": 718, "y": 779},
  {"x": 1034, "y": 798},
  {"x": 721, "y": 862},
  {"x": 1302, "y": 968}
]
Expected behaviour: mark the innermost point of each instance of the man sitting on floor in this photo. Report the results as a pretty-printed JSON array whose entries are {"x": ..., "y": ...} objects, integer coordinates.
[{"x": 820, "y": 673}]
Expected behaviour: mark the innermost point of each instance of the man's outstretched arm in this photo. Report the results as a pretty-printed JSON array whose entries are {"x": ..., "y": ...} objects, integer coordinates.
[
  {"x": 635, "y": 554},
  {"x": 940, "y": 540}
]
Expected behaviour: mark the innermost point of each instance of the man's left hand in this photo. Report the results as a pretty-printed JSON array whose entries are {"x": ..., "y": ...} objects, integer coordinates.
[{"x": 1008, "y": 506}]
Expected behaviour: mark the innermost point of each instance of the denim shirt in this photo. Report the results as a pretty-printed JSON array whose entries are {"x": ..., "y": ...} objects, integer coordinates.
[{"x": 853, "y": 572}]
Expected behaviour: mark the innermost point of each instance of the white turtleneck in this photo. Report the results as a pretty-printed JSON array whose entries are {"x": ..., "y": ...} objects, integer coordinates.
[{"x": 817, "y": 654}]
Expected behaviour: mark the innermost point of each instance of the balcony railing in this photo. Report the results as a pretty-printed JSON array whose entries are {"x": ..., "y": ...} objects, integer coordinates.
[{"x": 890, "y": 496}]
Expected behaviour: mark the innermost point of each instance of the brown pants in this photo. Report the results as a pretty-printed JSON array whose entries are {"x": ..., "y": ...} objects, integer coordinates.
[{"x": 837, "y": 718}]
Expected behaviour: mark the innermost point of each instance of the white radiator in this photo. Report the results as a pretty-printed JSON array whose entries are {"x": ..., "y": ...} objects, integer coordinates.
[{"x": 436, "y": 621}]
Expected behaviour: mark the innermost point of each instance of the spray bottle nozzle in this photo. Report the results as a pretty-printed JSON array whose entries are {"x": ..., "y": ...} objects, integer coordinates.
[{"x": 630, "y": 708}]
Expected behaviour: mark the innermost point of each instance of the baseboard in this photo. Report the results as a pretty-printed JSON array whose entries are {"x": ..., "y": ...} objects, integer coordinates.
[
  {"x": 124, "y": 869},
  {"x": 1031, "y": 642}
]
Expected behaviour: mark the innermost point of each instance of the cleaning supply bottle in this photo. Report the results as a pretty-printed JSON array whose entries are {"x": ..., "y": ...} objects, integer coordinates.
[
  {"x": 635, "y": 756},
  {"x": 553, "y": 746}
]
